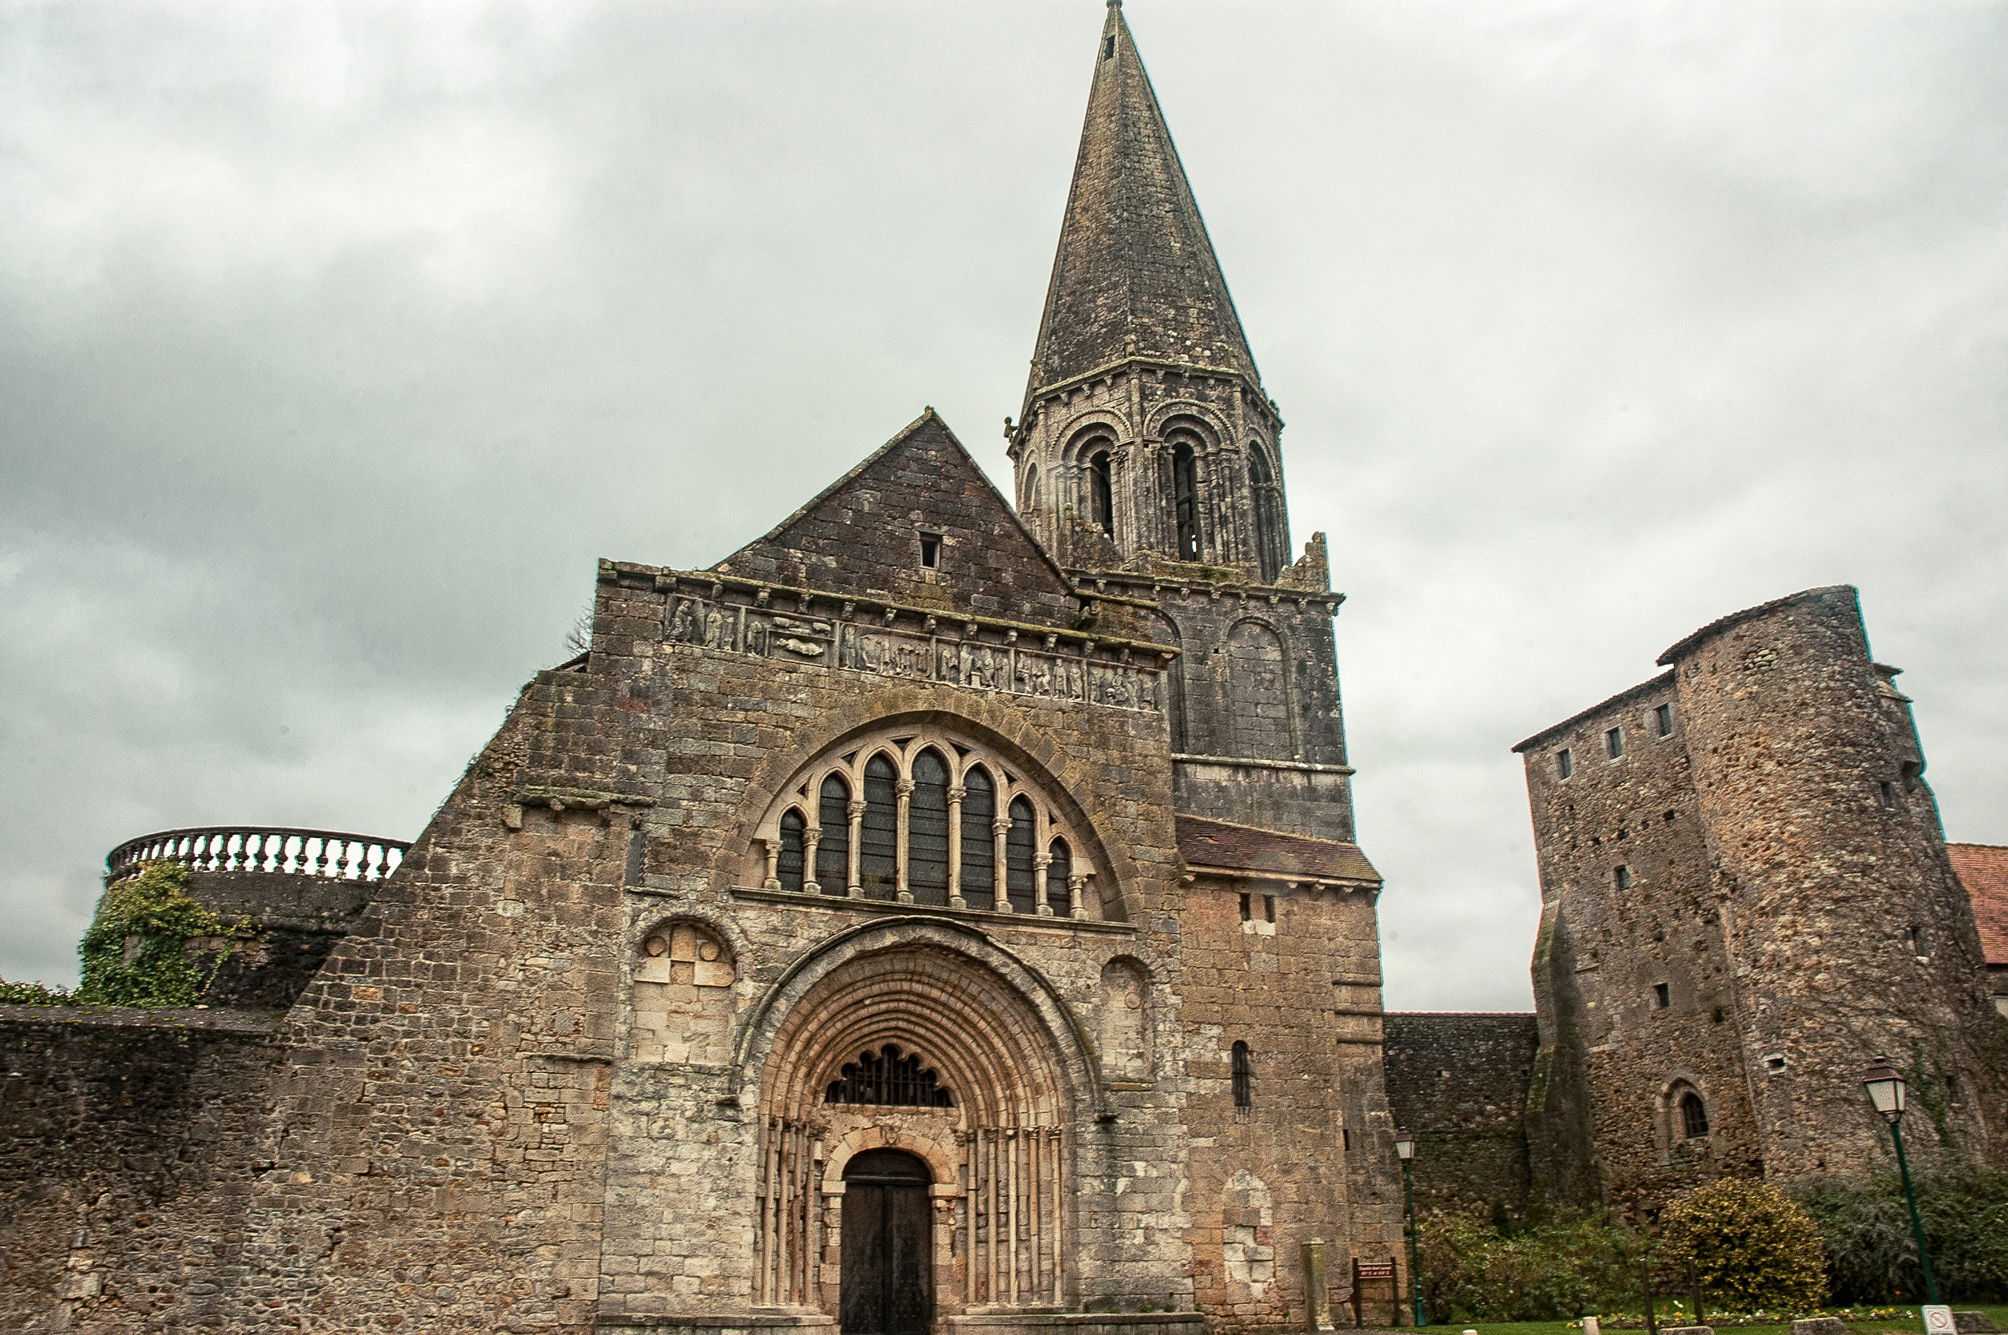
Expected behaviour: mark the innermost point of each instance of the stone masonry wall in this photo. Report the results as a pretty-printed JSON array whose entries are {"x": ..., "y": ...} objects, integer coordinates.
[
  {"x": 1298, "y": 980},
  {"x": 1459, "y": 1085},
  {"x": 1628, "y": 896},
  {"x": 126, "y": 1142}
]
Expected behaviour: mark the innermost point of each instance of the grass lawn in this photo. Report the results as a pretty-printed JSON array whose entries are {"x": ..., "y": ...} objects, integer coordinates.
[{"x": 1913, "y": 1326}]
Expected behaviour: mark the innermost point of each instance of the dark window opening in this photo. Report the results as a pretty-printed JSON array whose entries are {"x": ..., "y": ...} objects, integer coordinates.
[
  {"x": 1565, "y": 762},
  {"x": 927, "y": 830},
  {"x": 1246, "y": 915},
  {"x": 1345, "y": 1140},
  {"x": 1693, "y": 1116},
  {"x": 1717, "y": 1015},
  {"x": 1916, "y": 940},
  {"x": 1662, "y": 996},
  {"x": 1662, "y": 718},
  {"x": 833, "y": 852},
  {"x": 1021, "y": 848},
  {"x": 1102, "y": 492},
  {"x": 1059, "y": 871},
  {"x": 979, "y": 847},
  {"x": 930, "y": 551},
  {"x": 1270, "y": 540},
  {"x": 1108, "y": 48},
  {"x": 1621, "y": 876},
  {"x": 878, "y": 833},
  {"x": 1614, "y": 743},
  {"x": 888, "y": 1078},
  {"x": 1268, "y": 908},
  {"x": 1886, "y": 793},
  {"x": 788, "y": 866},
  {"x": 1243, "y": 1074},
  {"x": 1185, "y": 500}
]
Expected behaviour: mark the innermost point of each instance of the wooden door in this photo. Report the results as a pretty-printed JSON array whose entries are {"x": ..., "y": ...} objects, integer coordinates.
[{"x": 887, "y": 1280}]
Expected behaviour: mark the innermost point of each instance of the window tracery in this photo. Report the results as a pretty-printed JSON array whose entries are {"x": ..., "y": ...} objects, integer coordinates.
[
  {"x": 889, "y": 1078},
  {"x": 919, "y": 817}
]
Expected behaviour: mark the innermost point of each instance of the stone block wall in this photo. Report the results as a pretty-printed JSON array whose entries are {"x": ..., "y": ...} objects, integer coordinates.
[
  {"x": 1459, "y": 1084},
  {"x": 127, "y": 1139},
  {"x": 1746, "y": 897}
]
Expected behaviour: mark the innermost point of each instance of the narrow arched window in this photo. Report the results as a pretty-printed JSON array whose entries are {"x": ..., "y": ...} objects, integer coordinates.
[
  {"x": 979, "y": 841},
  {"x": 1102, "y": 491},
  {"x": 1693, "y": 1115},
  {"x": 927, "y": 830},
  {"x": 788, "y": 865},
  {"x": 1185, "y": 499},
  {"x": 1268, "y": 503},
  {"x": 1021, "y": 847},
  {"x": 833, "y": 821},
  {"x": 1242, "y": 1072},
  {"x": 1031, "y": 497},
  {"x": 1059, "y": 870},
  {"x": 878, "y": 834}
]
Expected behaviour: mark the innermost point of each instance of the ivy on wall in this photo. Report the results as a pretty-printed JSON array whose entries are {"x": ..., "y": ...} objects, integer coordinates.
[{"x": 150, "y": 944}]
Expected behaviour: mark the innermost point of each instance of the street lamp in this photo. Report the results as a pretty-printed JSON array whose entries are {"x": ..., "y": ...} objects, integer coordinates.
[
  {"x": 1886, "y": 1091},
  {"x": 1404, "y": 1150}
]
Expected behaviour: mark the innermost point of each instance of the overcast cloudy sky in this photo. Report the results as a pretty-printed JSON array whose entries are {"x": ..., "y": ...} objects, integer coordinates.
[{"x": 337, "y": 341}]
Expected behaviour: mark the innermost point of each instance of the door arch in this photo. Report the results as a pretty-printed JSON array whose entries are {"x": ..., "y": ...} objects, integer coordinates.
[{"x": 886, "y": 1277}]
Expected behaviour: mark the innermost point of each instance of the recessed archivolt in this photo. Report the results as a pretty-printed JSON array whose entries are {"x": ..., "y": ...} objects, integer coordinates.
[
  {"x": 993, "y": 1029},
  {"x": 1172, "y": 418}
]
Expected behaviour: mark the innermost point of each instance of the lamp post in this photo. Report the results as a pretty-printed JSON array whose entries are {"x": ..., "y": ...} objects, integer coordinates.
[
  {"x": 1886, "y": 1091},
  {"x": 1404, "y": 1150}
]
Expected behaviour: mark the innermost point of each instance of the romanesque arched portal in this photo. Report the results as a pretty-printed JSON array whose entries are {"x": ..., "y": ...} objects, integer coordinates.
[{"x": 924, "y": 1038}]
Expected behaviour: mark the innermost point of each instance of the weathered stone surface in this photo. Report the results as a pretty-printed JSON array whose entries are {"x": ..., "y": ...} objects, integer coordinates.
[
  {"x": 1820, "y": 1325},
  {"x": 1744, "y": 905},
  {"x": 1459, "y": 1085}
]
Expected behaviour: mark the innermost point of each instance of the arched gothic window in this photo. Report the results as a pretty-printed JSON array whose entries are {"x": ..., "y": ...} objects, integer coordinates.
[
  {"x": 927, "y": 830},
  {"x": 1271, "y": 542},
  {"x": 1242, "y": 1074},
  {"x": 1021, "y": 854},
  {"x": 878, "y": 834},
  {"x": 1102, "y": 490},
  {"x": 1185, "y": 498},
  {"x": 788, "y": 868},
  {"x": 833, "y": 848},
  {"x": 889, "y": 1078},
  {"x": 1059, "y": 871},
  {"x": 923, "y": 817},
  {"x": 1693, "y": 1116}
]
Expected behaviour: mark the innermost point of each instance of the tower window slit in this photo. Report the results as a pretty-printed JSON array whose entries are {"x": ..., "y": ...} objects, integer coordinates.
[
  {"x": 1185, "y": 499},
  {"x": 878, "y": 834},
  {"x": 927, "y": 830},
  {"x": 1241, "y": 1069},
  {"x": 1102, "y": 492}
]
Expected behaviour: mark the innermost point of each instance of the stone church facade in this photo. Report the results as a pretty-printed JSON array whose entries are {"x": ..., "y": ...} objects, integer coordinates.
[{"x": 935, "y": 915}]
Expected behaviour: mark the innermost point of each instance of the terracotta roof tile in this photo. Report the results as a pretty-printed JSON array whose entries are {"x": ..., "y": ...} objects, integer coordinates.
[
  {"x": 1983, "y": 870},
  {"x": 1215, "y": 843}
]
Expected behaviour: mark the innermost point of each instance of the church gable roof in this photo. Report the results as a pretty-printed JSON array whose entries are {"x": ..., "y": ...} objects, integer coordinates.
[
  {"x": 865, "y": 534},
  {"x": 1135, "y": 275}
]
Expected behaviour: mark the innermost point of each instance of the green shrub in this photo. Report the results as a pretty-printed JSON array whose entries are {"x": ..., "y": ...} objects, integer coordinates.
[
  {"x": 1754, "y": 1247},
  {"x": 1474, "y": 1270},
  {"x": 136, "y": 951},
  {"x": 1871, "y": 1255},
  {"x": 32, "y": 994}
]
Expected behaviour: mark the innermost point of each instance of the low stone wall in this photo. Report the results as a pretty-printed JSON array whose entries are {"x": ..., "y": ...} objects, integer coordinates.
[
  {"x": 1458, "y": 1083},
  {"x": 127, "y": 1140}
]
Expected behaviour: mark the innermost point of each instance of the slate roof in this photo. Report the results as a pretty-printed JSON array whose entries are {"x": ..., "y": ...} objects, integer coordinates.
[
  {"x": 1983, "y": 870},
  {"x": 1135, "y": 275},
  {"x": 1216, "y": 844}
]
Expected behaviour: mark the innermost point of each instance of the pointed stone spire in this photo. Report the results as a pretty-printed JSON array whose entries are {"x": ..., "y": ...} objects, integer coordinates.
[{"x": 1135, "y": 275}]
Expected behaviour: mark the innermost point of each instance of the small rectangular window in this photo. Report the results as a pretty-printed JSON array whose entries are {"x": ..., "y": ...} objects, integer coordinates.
[
  {"x": 1614, "y": 743},
  {"x": 1886, "y": 793},
  {"x": 930, "y": 551},
  {"x": 1245, "y": 909},
  {"x": 1621, "y": 877},
  {"x": 1268, "y": 908},
  {"x": 1108, "y": 47},
  {"x": 1662, "y": 718},
  {"x": 1661, "y": 995},
  {"x": 1345, "y": 1140},
  {"x": 1565, "y": 762}
]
